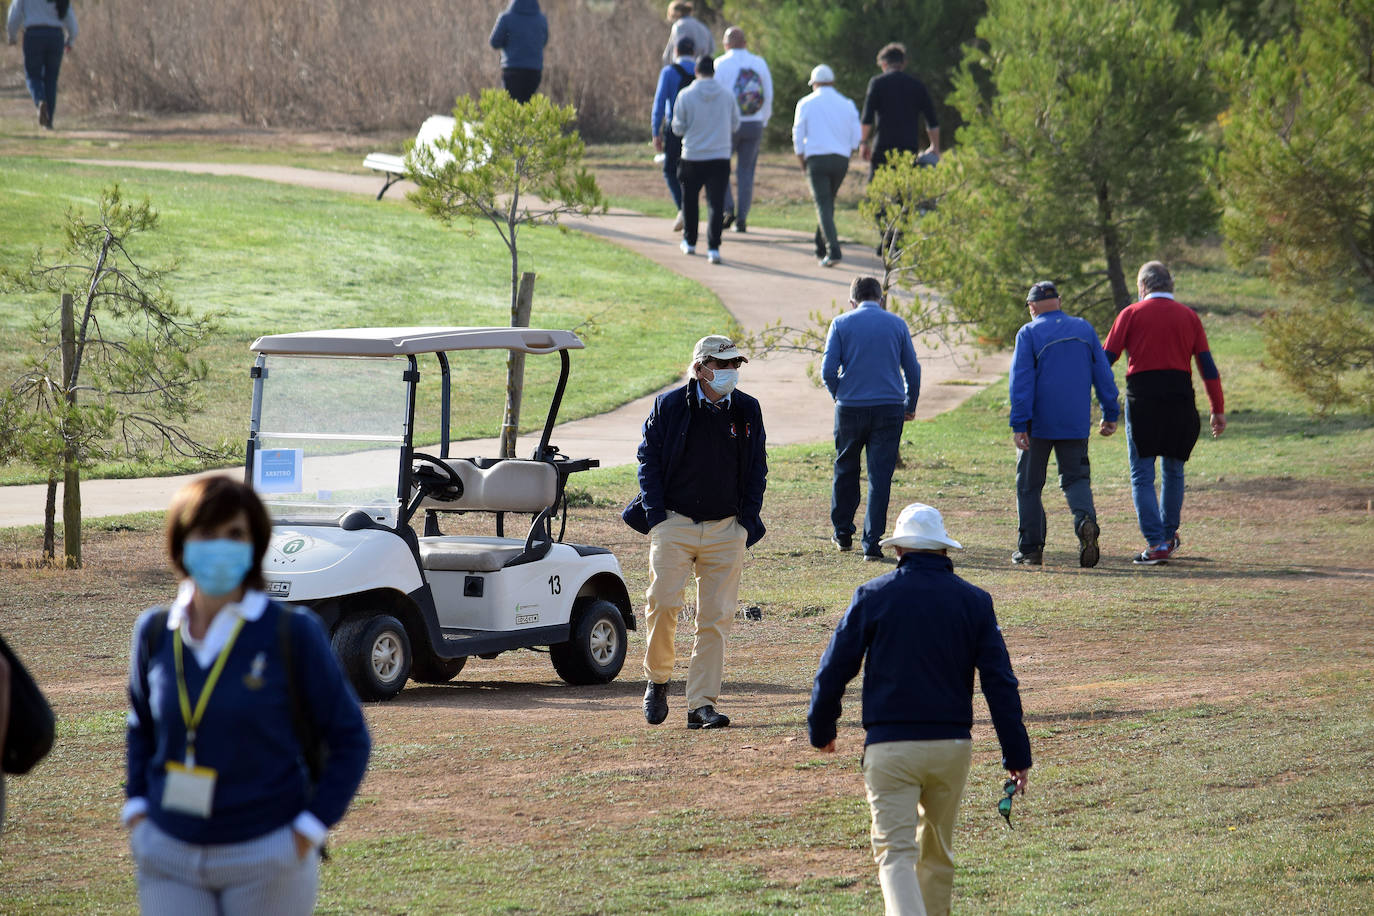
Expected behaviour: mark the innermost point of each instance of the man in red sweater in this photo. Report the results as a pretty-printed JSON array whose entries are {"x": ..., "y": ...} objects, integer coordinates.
[{"x": 1161, "y": 337}]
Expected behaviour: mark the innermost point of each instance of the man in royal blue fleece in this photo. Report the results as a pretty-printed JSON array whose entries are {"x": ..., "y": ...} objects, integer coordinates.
[
  {"x": 703, "y": 467},
  {"x": 1057, "y": 362},
  {"x": 919, "y": 632},
  {"x": 870, "y": 369}
]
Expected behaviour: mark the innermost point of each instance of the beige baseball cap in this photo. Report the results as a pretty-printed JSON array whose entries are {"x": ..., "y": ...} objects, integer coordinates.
[{"x": 717, "y": 346}]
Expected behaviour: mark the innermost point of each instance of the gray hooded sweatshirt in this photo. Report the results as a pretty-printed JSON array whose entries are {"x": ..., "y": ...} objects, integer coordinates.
[{"x": 706, "y": 117}]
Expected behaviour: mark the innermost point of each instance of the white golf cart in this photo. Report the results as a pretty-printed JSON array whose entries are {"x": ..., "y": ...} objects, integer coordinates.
[{"x": 331, "y": 452}]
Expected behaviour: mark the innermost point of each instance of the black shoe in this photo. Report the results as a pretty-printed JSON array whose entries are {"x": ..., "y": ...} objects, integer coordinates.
[
  {"x": 728, "y": 220},
  {"x": 873, "y": 557},
  {"x": 707, "y": 717},
  {"x": 1028, "y": 558},
  {"x": 1088, "y": 552},
  {"x": 656, "y": 703},
  {"x": 44, "y": 118},
  {"x": 843, "y": 545},
  {"x": 739, "y": 225}
]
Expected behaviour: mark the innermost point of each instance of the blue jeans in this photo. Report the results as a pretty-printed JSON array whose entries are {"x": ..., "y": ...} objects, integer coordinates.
[
  {"x": 42, "y": 60},
  {"x": 879, "y": 431},
  {"x": 672, "y": 154},
  {"x": 1075, "y": 479},
  {"x": 1157, "y": 529}
]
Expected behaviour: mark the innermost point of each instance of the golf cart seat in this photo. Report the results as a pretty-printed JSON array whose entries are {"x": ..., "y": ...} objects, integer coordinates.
[
  {"x": 468, "y": 554},
  {"x": 510, "y": 485}
]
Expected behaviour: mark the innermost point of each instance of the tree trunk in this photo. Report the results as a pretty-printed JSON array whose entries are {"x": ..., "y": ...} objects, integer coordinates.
[
  {"x": 515, "y": 367},
  {"x": 71, "y": 481},
  {"x": 49, "y": 521},
  {"x": 1111, "y": 248}
]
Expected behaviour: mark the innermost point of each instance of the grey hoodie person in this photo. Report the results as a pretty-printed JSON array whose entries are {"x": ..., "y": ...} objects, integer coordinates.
[{"x": 706, "y": 117}]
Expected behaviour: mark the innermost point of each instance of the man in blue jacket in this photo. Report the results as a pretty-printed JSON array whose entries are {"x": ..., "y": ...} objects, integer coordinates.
[
  {"x": 870, "y": 369},
  {"x": 520, "y": 34},
  {"x": 1057, "y": 362},
  {"x": 702, "y": 473},
  {"x": 919, "y": 632}
]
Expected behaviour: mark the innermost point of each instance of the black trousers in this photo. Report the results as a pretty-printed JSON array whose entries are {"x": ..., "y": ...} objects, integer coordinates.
[
  {"x": 520, "y": 82},
  {"x": 714, "y": 175}
]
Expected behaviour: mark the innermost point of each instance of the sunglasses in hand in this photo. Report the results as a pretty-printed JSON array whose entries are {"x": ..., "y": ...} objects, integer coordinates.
[{"x": 1004, "y": 806}]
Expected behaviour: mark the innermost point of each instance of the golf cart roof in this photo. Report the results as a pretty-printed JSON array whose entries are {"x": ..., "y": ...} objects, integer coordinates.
[{"x": 409, "y": 341}]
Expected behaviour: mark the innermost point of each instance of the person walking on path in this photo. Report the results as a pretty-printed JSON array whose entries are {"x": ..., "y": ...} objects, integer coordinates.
[
  {"x": 825, "y": 133},
  {"x": 746, "y": 75},
  {"x": 870, "y": 369},
  {"x": 520, "y": 34},
  {"x": 49, "y": 28},
  {"x": 893, "y": 107},
  {"x": 685, "y": 25},
  {"x": 671, "y": 81},
  {"x": 705, "y": 117},
  {"x": 703, "y": 468},
  {"x": 1161, "y": 337},
  {"x": 919, "y": 632},
  {"x": 245, "y": 742},
  {"x": 1057, "y": 363}
]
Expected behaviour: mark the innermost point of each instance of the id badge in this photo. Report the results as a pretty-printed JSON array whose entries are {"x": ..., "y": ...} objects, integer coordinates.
[{"x": 189, "y": 789}]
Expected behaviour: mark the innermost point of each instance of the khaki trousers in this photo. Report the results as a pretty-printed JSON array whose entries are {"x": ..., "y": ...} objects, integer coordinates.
[
  {"x": 715, "y": 550},
  {"x": 914, "y": 789}
]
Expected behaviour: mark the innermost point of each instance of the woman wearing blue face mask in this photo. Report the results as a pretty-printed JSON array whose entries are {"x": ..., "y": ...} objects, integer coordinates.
[{"x": 245, "y": 741}]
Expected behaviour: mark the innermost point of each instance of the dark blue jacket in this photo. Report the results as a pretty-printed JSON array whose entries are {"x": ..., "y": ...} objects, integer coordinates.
[
  {"x": 1057, "y": 362},
  {"x": 924, "y": 631},
  {"x": 665, "y": 437},
  {"x": 247, "y": 734},
  {"x": 520, "y": 35}
]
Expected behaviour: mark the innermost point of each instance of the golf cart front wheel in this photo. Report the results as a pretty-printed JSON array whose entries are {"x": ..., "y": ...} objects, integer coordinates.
[
  {"x": 375, "y": 652},
  {"x": 596, "y": 652}
]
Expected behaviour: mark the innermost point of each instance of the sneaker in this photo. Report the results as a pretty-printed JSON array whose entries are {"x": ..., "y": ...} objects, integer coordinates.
[
  {"x": 843, "y": 545},
  {"x": 1174, "y": 543},
  {"x": 687, "y": 249},
  {"x": 713, "y": 256},
  {"x": 873, "y": 557},
  {"x": 828, "y": 261},
  {"x": 1028, "y": 558},
  {"x": 739, "y": 225},
  {"x": 1155, "y": 556},
  {"x": 678, "y": 223},
  {"x": 728, "y": 220},
  {"x": 1088, "y": 552}
]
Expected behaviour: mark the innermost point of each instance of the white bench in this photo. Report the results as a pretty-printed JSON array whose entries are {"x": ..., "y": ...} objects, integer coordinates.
[
  {"x": 436, "y": 127},
  {"x": 511, "y": 485}
]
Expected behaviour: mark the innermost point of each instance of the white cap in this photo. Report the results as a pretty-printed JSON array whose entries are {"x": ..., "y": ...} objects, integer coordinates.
[
  {"x": 821, "y": 74},
  {"x": 920, "y": 527},
  {"x": 718, "y": 347}
]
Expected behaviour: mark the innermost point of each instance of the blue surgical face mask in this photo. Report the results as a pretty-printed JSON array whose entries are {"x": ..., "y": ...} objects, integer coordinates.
[
  {"x": 724, "y": 381},
  {"x": 217, "y": 567}
]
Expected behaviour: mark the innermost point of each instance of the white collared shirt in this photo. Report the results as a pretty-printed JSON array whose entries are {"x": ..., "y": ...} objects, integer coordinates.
[
  {"x": 206, "y": 649},
  {"x": 1159, "y": 295},
  {"x": 826, "y": 123}
]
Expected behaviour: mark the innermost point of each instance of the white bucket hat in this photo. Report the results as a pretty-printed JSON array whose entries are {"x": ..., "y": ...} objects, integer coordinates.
[{"x": 920, "y": 527}]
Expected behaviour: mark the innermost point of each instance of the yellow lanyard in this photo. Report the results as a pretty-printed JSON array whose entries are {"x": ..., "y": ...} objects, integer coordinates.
[{"x": 192, "y": 719}]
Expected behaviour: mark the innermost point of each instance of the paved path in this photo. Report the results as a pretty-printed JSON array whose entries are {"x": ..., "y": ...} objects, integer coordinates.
[{"x": 767, "y": 274}]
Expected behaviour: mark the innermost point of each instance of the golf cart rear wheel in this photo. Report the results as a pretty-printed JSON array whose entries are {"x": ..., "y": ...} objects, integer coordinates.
[
  {"x": 375, "y": 652},
  {"x": 435, "y": 670},
  {"x": 596, "y": 652}
]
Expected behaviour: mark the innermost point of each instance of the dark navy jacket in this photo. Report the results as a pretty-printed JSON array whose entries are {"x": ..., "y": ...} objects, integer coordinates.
[
  {"x": 924, "y": 631},
  {"x": 665, "y": 436},
  {"x": 520, "y": 35}
]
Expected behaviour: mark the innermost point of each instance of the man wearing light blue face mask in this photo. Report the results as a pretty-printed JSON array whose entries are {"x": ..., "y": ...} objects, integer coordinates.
[{"x": 702, "y": 474}]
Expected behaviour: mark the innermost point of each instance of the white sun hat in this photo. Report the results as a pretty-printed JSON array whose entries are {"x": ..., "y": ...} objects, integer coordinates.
[{"x": 920, "y": 527}]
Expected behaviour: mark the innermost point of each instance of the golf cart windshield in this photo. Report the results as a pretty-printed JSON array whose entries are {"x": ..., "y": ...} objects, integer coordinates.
[{"x": 330, "y": 434}]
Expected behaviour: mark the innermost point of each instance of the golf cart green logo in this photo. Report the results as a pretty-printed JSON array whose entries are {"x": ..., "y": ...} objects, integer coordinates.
[
  {"x": 294, "y": 545},
  {"x": 521, "y": 619}
]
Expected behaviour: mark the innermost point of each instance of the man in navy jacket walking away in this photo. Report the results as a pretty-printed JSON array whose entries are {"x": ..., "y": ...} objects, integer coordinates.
[
  {"x": 702, "y": 473},
  {"x": 919, "y": 632},
  {"x": 1057, "y": 362},
  {"x": 520, "y": 34}
]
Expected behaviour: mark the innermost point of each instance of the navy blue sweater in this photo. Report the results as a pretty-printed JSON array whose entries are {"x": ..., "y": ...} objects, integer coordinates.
[
  {"x": 924, "y": 630},
  {"x": 665, "y": 441},
  {"x": 247, "y": 733},
  {"x": 520, "y": 35}
]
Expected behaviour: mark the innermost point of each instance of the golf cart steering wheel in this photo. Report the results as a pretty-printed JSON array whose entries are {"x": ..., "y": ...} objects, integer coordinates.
[{"x": 449, "y": 487}]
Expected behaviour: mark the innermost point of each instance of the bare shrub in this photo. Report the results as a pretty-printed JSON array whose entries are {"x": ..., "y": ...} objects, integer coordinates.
[{"x": 355, "y": 65}]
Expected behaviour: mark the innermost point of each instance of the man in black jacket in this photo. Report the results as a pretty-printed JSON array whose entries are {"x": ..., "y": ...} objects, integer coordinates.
[
  {"x": 702, "y": 473},
  {"x": 924, "y": 631}
]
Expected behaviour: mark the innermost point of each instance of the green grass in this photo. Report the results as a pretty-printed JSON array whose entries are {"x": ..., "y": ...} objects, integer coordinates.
[{"x": 271, "y": 258}]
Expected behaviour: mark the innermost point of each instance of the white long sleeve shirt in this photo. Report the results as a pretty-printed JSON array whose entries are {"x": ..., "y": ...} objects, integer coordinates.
[
  {"x": 25, "y": 14},
  {"x": 728, "y": 67},
  {"x": 826, "y": 123}
]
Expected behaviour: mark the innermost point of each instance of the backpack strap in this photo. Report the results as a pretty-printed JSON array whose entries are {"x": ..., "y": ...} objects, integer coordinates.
[{"x": 312, "y": 748}]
